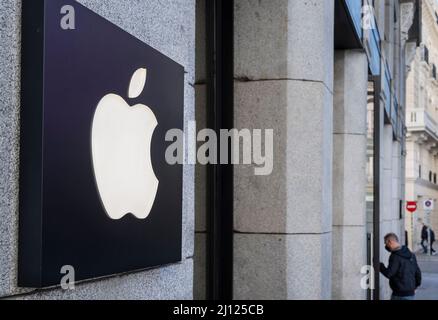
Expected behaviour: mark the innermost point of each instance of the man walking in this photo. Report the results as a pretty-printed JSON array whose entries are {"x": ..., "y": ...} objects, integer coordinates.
[
  {"x": 424, "y": 236},
  {"x": 432, "y": 240},
  {"x": 403, "y": 272}
]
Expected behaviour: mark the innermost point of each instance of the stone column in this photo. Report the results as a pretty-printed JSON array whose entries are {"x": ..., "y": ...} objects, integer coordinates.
[
  {"x": 386, "y": 212},
  {"x": 349, "y": 173},
  {"x": 284, "y": 81}
]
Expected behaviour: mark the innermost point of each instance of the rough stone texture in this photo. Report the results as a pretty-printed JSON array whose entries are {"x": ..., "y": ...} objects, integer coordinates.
[
  {"x": 10, "y": 46},
  {"x": 349, "y": 256},
  {"x": 262, "y": 105},
  {"x": 349, "y": 179},
  {"x": 350, "y": 92},
  {"x": 301, "y": 175},
  {"x": 168, "y": 26},
  {"x": 309, "y": 157},
  {"x": 188, "y": 181},
  {"x": 285, "y": 266},
  {"x": 390, "y": 217},
  {"x": 310, "y": 275},
  {"x": 261, "y": 39},
  {"x": 284, "y": 81},
  {"x": 349, "y": 207},
  {"x": 171, "y": 282},
  {"x": 349, "y": 173},
  {"x": 268, "y": 46}
]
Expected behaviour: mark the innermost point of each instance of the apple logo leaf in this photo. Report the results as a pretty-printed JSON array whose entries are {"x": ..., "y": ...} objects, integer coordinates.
[{"x": 137, "y": 83}]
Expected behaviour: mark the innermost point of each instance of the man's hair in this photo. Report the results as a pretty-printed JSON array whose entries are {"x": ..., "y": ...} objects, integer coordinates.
[{"x": 391, "y": 236}]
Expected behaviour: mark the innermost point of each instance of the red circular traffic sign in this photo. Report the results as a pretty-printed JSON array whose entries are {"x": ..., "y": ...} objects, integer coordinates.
[{"x": 411, "y": 206}]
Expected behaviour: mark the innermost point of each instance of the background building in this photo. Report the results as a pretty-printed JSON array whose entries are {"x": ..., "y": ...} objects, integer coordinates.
[
  {"x": 330, "y": 84},
  {"x": 422, "y": 124}
]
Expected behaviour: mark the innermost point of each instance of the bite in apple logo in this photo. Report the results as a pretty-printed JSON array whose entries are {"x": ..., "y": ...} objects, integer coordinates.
[{"x": 121, "y": 150}]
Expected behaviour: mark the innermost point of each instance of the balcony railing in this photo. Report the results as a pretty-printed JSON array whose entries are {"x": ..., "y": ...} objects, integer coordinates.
[{"x": 420, "y": 120}]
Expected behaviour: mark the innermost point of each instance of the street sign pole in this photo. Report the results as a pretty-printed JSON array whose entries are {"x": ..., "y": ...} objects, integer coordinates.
[
  {"x": 428, "y": 207},
  {"x": 411, "y": 206},
  {"x": 413, "y": 241}
]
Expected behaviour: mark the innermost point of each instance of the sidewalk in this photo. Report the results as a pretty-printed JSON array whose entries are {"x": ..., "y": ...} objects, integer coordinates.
[{"x": 429, "y": 269}]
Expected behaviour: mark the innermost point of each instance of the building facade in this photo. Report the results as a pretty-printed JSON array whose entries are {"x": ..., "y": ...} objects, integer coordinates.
[
  {"x": 422, "y": 124},
  {"x": 328, "y": 77}
]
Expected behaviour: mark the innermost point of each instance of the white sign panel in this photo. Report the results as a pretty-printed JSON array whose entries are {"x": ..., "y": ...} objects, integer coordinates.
[{"x": 428, "y": 204}]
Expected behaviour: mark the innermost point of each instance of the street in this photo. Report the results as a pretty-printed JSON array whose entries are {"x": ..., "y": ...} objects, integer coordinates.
[{"x": 429, "y": 269}]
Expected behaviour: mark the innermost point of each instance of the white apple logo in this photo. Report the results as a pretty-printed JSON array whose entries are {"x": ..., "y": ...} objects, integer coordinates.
[{"x": 121, "y": 149}]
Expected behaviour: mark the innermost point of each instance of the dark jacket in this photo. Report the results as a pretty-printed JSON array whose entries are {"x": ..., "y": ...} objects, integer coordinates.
[
  {"x": 403, "y": 272},
  {"x": 424, "y": 234}
]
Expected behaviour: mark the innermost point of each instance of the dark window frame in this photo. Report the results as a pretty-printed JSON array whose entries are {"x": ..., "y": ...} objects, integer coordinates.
[{"x": 220, "y": 111}]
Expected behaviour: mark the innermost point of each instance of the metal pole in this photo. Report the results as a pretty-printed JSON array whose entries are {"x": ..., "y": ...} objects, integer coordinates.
[
  {"x": 220, "y": 97},
  {"x": 413, "y": 238}
]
